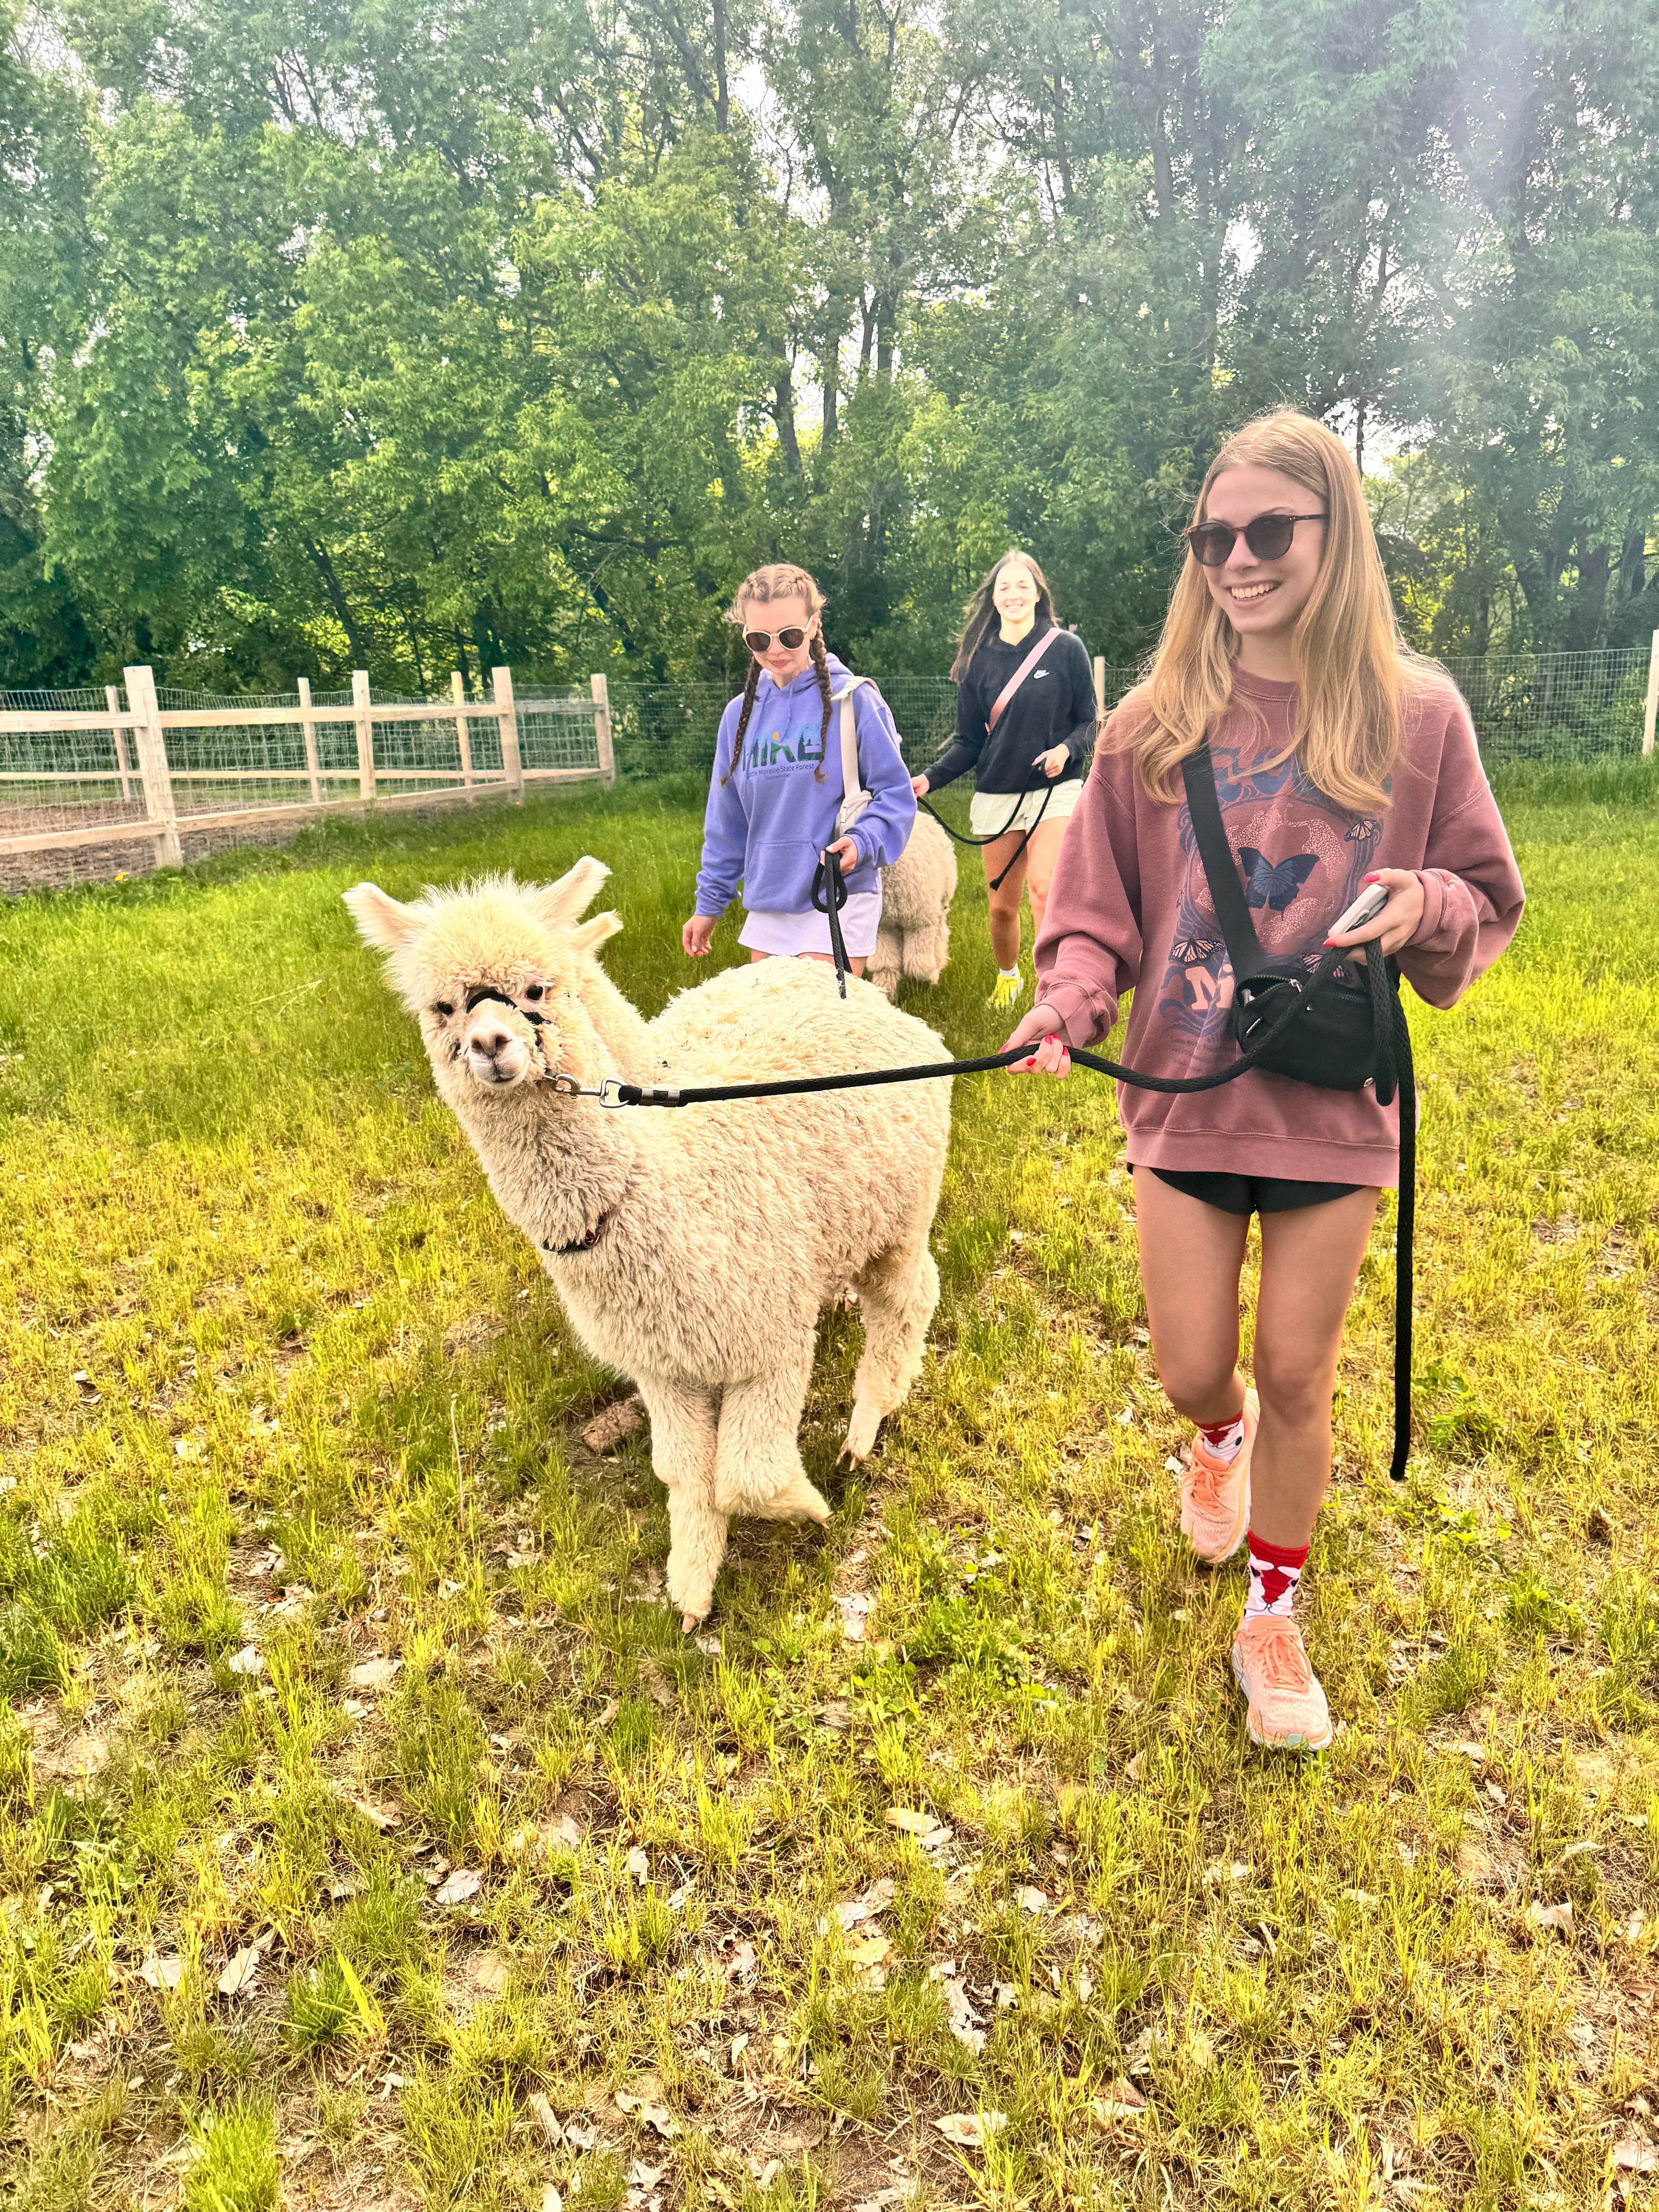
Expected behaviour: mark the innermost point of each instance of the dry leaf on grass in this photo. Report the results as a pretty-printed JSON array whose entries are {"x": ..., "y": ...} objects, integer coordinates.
[
  {"x": 238, "y": 1972},
  {"x": 638, "y": 1865},
  {"x": 653, "y": 2114},
  {"x": 580, "y": 2135},
  {"x": 971, "y": 2131},
  {"x": 374, "y": 1674},
  {"x": 460, "y": 1885},
  {"x": 380, "y": 1816},
  {"x": 247, "y": 1661},
  {"x": 1031, "y": 1899},
  {"x": 545, "y": 2117},
  {"x": 610, "y": 1426},
  {"x": 1558, "y": 1917},
  {"x": 489, "y": 1972},
  {"x": 1635, "y": 2156},
  {"x": 161, "y": 1973},
  {"x": 551, "y": 2200},
  {"x": 1122, "y": 2101}
]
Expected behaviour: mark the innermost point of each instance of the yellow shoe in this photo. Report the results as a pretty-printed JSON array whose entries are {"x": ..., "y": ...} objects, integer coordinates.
[{"x": 1010, "y": 990}]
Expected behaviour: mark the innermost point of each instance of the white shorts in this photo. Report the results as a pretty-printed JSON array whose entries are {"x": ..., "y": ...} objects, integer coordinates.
[
  {"x": 860, "y": 918},
  {"x": 988, "y": 810}
]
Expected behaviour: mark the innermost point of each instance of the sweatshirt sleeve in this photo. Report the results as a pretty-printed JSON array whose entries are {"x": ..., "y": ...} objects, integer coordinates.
[
  {"x": 1088, "y": 953},
  {"x": 883, "y": 831},
  {"x": 725, "y": 826},
  {"x": 1472, "y": 888},
  {"x": 964, "y": 749}
]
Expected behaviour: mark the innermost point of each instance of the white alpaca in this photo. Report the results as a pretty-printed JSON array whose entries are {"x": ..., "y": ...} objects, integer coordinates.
[
  {"x": 916, "y": 891},
  {"x": 692, "y": 1247}
]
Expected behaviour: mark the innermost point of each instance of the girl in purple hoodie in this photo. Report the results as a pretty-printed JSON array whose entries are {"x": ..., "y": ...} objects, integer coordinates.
[{"x": 777, "y": 784}]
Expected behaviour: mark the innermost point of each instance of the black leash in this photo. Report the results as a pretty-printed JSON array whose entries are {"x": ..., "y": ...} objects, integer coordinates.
[
  {"x": 978, "y": 842},
  {"x": 830, "y": 896}
]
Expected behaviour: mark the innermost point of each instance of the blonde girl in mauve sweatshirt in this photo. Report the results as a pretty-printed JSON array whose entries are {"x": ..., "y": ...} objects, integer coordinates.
[{"x": 1340, "y": 758}]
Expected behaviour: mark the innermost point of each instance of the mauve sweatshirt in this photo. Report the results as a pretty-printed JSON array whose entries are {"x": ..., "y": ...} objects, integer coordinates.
[{"x": 1130, "y": 910}]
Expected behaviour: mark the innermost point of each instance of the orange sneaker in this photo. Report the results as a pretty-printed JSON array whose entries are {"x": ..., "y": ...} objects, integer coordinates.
[
  {"x": 1215, "y": 1499},
  {"x": 1287, "y": 1708}
]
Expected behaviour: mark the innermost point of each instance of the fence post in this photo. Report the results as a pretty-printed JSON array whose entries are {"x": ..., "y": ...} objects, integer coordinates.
[
  {"x": 463, "y": 730},
  {"x": 314, "y": 767},
  {"x": 507, "y": 716},
  {"x": 365, "y": 726},
  {"x": 112, "y": 700},
  {"x": 1652, "y": 713},
  {"x": 600, "y": 687},
  {"x": 161, "y": 816},
  {"x": 1100, "y": 686}
]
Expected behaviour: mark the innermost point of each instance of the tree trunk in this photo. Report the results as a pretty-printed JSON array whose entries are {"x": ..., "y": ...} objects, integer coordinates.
[
  {"x": 783, "y": 413},
  {"x": 1588, "y": 605},
  {"x": 336, "y": 599},
  {"x": 723, "y": 92},
  {"x": 1633, "y": 564},
  {"x": 831, "y": 368}
]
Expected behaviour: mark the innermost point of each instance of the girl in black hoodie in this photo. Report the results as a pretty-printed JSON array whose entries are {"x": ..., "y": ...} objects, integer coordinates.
[{"x": 1039, "y": 748}]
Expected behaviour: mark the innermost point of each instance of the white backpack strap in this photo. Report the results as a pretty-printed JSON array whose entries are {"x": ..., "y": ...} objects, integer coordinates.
[{"x": 850, "y": 785}]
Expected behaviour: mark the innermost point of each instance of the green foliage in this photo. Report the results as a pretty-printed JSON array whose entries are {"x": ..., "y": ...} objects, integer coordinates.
[{"x": 417, "y": 337}]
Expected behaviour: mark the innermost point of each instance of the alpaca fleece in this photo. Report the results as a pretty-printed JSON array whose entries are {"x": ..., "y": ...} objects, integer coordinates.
[
  {"x": 719, "y": 1232},
  {"x": 916, "y": 891}
]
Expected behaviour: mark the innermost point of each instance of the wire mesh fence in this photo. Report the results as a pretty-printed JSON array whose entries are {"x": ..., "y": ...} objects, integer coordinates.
[{"x": 108, "y": 769}]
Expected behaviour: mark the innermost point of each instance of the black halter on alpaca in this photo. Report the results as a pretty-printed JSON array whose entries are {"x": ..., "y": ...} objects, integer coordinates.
[{"x": 751, "y": 685}]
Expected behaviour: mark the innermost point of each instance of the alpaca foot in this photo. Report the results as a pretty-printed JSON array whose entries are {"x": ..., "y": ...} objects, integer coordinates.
[
  {"x": 798, "y": 1500},
  {"x": 694, "y": 1562},
  {"x": 861, "y": 1430}
]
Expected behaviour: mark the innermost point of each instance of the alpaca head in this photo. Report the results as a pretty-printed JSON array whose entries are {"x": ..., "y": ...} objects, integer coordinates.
[{"x": 474, "y": 963}]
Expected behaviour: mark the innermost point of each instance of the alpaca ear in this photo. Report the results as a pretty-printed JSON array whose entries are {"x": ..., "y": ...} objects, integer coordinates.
[
  {"x": 561, "y": 903},
  {"x": 381, "y": 920},
  {"x": 588, "y": 936}
]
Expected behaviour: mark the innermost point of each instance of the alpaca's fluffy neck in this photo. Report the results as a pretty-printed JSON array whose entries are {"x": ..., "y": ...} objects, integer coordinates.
[{"x": 558, "y": 1166}]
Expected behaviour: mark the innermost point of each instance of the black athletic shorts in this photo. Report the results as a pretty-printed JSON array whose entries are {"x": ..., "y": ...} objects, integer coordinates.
[{"x": 1248, "y": 1194}]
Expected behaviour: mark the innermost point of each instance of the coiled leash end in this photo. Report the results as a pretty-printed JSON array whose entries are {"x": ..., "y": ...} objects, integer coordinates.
[{"x": 829, "y": 896}]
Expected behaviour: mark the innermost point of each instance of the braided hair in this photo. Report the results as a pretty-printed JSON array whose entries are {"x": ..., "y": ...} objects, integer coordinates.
[{"x": 779, "y": 580}]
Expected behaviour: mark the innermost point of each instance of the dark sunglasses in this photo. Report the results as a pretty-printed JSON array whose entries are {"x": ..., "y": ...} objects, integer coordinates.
[
  {"x": 760, "y": 640},
  {"x": 1267, "y": 537}
]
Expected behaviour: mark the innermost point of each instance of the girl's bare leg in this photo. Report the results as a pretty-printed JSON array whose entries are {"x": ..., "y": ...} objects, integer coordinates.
[
  {"x": 1005, "y": 902},
  {"x": 1042, "y": 855},
  {"x": 1309, "y": 1264},
  {"x": 854, "y": 960},
  {"x": 1190, "y": 1258}
]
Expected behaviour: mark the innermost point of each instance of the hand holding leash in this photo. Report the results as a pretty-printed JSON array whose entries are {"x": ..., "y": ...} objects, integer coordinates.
[{"x": 1043, "y": 1027}]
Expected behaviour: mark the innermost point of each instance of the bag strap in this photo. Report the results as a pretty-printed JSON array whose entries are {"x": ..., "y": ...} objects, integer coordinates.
[
  {"x": 849, "y": 738},
  {"x": 1020, "y": 675},
  {"x": 1220, "y": 869}
]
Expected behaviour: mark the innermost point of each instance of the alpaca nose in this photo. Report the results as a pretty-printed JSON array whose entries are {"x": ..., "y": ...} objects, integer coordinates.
[{"x": 492, "y": 1043}]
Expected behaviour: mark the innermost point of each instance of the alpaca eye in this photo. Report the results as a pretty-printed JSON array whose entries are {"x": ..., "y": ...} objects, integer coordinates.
[
  {"x": 535, "y": 991},
  {"x": 443, "y": 1010}
]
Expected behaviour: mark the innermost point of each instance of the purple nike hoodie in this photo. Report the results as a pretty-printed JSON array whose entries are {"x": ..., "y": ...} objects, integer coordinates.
[{"x": 767, "y": 826}]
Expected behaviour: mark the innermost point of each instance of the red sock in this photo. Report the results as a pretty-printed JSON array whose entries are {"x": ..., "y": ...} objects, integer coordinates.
[{"x": 1275, "y": 1571}]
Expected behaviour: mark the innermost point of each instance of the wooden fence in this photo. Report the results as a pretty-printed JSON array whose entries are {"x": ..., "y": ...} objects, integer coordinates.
[{"x": 159, "y": 764}]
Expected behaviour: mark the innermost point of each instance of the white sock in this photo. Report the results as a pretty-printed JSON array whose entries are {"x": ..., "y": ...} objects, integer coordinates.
[
  {"x": 1224, "y": 1443},
  {"x": 1009, "y": 975}
]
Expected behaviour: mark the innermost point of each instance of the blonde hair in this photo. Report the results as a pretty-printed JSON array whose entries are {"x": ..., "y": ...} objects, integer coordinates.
[
  {"x": 1353, "y": 671},
  {"x": 980, "y": 616},
  {"x": 779, "y": 579}
]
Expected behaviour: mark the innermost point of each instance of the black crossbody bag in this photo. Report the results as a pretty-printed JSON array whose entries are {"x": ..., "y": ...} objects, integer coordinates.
[{"x": 1346, "y": 1038}]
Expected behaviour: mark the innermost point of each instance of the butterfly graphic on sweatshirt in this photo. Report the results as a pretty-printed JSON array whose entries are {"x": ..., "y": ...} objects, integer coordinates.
[{"x": 1274, "y": 883}]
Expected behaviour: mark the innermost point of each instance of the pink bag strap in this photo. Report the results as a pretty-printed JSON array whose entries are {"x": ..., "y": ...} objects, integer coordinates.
[{"x": 1020, "y": 675}]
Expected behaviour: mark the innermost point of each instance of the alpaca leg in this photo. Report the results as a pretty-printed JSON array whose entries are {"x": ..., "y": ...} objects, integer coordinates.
[
  {"x": 927, "y": 950},
  {"x": 887, "y": 961},
  {"x": 682, "y": 1430},
  {"x": 898, "y": 1293},
  {"x": 758, "y": 1462}
]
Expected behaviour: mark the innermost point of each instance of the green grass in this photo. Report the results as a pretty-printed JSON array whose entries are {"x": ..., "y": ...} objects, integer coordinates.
[{"x": 274, "y": 1374}]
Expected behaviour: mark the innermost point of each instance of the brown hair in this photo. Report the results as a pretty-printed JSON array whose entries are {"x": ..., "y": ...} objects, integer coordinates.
[
  {"x": 980, "y": 616},
  {"x": 1353, "y": 670},
  {"x": 779, "y": 580}
]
